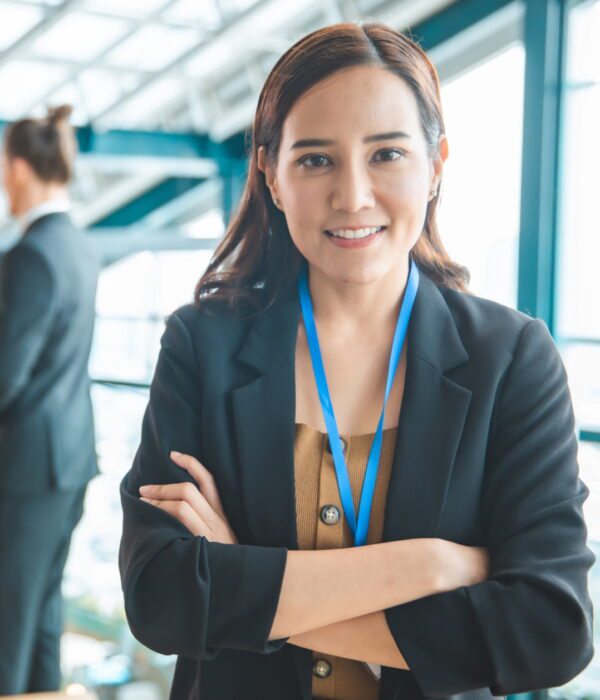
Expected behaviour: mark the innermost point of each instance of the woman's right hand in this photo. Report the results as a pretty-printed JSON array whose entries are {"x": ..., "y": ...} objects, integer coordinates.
[{"x": 460, "y": 565}]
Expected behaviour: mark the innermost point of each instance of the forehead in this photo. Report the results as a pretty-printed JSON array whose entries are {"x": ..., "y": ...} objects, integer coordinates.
[{"x": 361, "y": 99}]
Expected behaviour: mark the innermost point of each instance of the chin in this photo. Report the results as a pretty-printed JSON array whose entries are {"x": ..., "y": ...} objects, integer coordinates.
[{"x": 365, "y": 274}]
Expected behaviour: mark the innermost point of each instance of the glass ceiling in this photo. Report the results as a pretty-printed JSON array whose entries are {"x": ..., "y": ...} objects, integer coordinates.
[
  {"x": 96, "y": 53},
  {"x": 155, "y": 65},
  {"x": 134, "y": 63}
]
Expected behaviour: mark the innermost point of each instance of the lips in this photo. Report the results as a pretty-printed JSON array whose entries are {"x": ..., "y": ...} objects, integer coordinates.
[
  {"x": 355, "y": 233},
  {"x": 363, "y": 241}
]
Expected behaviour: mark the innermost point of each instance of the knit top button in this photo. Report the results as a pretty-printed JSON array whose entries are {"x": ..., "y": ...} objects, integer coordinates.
[{"x": 343, "y": 445}]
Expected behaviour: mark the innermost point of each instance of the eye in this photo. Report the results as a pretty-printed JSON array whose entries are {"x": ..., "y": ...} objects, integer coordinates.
[
  {"x": 399, "y": 151},
  {"x": 312, "y": 156},
  {"x": 305, "y": 161}
]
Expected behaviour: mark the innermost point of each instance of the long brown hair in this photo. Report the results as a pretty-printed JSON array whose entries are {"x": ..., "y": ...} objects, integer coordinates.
[
  {"x": 47, "y": 144},
  {"x": 257, "y": 259}
]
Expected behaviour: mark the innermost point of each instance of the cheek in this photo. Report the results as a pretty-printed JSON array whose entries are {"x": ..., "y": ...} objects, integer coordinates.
[
  {"x": 412, "y": 190},
  {"x": 407, "y": 190},
  {"x": 301, "y": 196},
  {"x": 304, "y": 208},
  {"x": 303, "y": 235}
]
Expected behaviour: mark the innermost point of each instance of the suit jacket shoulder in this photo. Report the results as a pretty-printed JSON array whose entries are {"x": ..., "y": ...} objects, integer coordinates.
[
  {"x": 46, "y": 327},
  {"x": 485, "y": 325}
]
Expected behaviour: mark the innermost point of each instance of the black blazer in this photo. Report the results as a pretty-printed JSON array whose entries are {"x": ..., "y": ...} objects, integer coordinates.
[
  {"x": 485, "y": 455},
  {"x": 47, "y": 310}
]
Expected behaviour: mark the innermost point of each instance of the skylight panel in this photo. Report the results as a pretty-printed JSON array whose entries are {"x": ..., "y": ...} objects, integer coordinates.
[
  {"x": 152, "y": 47},
  {"x": 101, "y": 88},
  {"x": 241, "y": 5},
  {"x": 144, "y": 108},
  {"x": 204, "y": 15},
  {"x": 16, "y": 21},
  {"x": 24, "y": 82},
  {"x": 80, "y": 37},
  {"x": 126, "y": 8}
]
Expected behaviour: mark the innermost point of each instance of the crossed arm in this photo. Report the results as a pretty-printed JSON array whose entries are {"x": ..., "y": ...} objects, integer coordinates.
[
  {"x": 318, "y": 587},
  {"x": 364, "y": 638},
  {"x": 532, "y": 500}
]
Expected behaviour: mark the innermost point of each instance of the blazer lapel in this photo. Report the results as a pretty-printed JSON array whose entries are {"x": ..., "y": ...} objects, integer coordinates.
[
  {"x": 431, "y": 421},
  {"x": 264, "y": 412}
]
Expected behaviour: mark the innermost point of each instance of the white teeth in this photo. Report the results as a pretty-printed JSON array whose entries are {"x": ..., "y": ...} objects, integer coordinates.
[{"x": 359, "y": 233}]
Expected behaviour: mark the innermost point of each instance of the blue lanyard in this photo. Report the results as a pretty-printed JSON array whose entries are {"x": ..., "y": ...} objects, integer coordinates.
[{"x": 364, "y": 511}]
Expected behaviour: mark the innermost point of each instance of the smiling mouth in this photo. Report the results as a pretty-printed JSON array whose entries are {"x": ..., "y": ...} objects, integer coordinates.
[{"x": 354, "y": 234}]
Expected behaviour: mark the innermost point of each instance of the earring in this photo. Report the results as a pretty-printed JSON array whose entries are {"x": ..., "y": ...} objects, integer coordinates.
[
  {"x": 433, "y": 194},
  {"x": 275, "y": 200}
]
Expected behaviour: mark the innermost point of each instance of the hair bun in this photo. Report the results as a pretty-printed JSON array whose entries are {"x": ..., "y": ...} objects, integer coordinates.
[{"x": 58, "y": 114}]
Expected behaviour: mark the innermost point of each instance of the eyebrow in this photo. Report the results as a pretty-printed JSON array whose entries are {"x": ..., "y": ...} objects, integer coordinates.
[{"x": 303, "y": 143}]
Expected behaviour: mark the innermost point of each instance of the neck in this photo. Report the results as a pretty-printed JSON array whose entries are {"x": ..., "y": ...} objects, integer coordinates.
[
  {"x": 351, "y": 306},
  {"x": 36, "y": 196}
]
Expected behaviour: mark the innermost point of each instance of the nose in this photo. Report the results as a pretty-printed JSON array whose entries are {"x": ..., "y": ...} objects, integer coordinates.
[{"x": 352, "y": 189}]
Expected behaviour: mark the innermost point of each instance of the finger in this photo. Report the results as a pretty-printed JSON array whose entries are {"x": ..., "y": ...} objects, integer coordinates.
[
  {"x": 183, "y": 512},
  {"x": 203, "y": 478},
  {"x": 151, "y": 501},
  {"x": 185, "y": 491}
]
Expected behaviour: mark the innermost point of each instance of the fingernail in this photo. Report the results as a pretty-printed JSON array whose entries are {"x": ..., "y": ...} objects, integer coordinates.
[
  {"x": 175, "y": 454},
  {"x": 145, "y": 489}
]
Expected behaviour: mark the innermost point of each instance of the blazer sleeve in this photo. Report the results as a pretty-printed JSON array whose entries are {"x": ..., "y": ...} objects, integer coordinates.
[
  {"x": 529, "y": 625},
  {"x": 184, "y": 594},
  {"x": 27, "y": 302}
]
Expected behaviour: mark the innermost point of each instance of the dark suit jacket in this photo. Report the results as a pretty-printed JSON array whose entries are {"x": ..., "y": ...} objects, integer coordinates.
[
  {"x": 47, "y": 310},
  {"x": 485, "y": 455}
]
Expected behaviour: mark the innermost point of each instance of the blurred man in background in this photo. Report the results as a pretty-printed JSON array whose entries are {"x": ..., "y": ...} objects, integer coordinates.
[{"x": 47, "y": 443}]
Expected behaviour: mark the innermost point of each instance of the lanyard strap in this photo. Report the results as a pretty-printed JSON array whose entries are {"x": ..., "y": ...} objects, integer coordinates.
[{"x": 359, "y": 530}]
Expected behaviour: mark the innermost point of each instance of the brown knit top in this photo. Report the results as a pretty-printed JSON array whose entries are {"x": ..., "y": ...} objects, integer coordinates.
[{"x": 322, "y": 528}]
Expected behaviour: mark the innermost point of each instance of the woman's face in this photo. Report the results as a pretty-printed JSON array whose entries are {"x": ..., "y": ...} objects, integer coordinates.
[{"x": 353, "y": 154}]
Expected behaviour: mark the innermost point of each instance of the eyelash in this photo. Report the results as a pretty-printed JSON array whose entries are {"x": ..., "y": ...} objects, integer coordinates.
[{"x": 302, "y": 161}]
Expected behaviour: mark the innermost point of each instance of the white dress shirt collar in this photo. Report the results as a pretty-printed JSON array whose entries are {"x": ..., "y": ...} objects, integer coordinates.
[{"x": 51, "y": 206}]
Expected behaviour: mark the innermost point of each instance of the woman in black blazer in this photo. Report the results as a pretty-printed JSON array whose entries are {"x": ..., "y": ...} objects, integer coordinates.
[{"x": 480, "y": 584}]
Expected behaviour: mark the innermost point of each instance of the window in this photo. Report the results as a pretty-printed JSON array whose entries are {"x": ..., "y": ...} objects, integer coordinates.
[
  {"x": 479, "y": 208},
  {"x": 134, "y": 297},
  {"x": 578, "y": 282}
]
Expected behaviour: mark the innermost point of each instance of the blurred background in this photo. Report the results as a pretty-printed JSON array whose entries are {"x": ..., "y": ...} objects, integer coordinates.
[{"x": 164, "y": 92}]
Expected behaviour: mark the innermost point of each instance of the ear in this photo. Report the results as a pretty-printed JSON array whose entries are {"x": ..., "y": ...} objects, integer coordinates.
[
  {"x": 21, "y": 170},
  {"x": 268, "y": 170},
  {"x": 438, "y": 163}
]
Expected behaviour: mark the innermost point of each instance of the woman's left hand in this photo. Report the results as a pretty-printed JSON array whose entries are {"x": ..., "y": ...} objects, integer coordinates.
[{"x": 198, "y": 508}]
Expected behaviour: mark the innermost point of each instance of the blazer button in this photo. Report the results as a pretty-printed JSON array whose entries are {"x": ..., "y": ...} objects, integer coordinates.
[
  {"x": 321, "y": 668},
  {"x": 343, "y": 445},
  {"x": 330, "y": 515}
]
